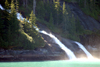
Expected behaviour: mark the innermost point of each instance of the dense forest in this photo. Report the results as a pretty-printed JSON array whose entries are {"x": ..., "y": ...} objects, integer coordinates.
[{"x": 19, "y": 34}]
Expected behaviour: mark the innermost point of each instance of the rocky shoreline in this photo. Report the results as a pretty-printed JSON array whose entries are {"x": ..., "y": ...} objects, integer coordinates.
[
  {"x": 30, "y": 55},
  {"x": 30, "y": 58}
]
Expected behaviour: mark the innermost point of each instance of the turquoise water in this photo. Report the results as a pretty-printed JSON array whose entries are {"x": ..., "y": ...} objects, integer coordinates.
[{"x": 52, "y": 64}]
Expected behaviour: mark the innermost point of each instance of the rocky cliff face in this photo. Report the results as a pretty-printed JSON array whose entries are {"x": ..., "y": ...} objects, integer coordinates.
[
  {"x": 88, "y": 22},
  {"x": 91, "y": 42}
]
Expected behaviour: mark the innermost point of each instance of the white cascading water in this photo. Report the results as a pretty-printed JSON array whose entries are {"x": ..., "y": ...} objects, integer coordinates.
[
  {"x": 57, "y": 41},
  {"x": 62, "y": 46},
  {"x": 1, "y": 7},
  {"x": 84, "y": 49}
]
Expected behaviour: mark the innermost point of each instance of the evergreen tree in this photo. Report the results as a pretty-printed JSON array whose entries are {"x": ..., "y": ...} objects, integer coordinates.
[
  {"x": 26, "y": 26},
  {"x": 17, "y": 6},
  {"x": 32, "y": 19},
  {"x": 54, "y": 13},
  {"x": 13, "y": 22},
  {"x": 72, "y": 25},
  {"x": 65, "y": 21},
  {"x": 57, "y": 5},
  {"x": 6, "y": 4},
  {"x": 53, "y": 1},
  {"x": 68, "y": 23},
  {"x": 40, "y": 10},
  {"x": 58, "y": 15},
  {"x": 79, "y": 27},
  {"x": 48, "y": 10},
  {"x": 51, "y": 18},
  {"x": 64, "y": 7},
  {"x": 1, "y": 24},
  {"x": 13, "y": 11}
]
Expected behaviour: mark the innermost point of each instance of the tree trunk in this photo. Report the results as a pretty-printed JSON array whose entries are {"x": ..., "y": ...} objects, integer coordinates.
[
  {"x": 34, "y": 5},
  {"x": 23, "y": 2},
  {"x": 26, "y": 3}
]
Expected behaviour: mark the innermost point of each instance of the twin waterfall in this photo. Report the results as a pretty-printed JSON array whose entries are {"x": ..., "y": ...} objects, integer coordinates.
[
  {"x": 70, "y": 54},
  {"x": 63, "y": 47}
]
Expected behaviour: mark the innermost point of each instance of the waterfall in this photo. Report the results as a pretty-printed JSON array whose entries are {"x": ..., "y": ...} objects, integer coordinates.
[
  {"x": 62, "y": 46},
  {"x": 57, "y": 41},
  {"x": 84, "y": 49},
  {"x": 1, "y": 7}
]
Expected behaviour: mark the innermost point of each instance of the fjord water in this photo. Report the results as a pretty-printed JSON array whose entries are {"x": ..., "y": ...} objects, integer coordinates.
[{"x": 60, "y": 63}]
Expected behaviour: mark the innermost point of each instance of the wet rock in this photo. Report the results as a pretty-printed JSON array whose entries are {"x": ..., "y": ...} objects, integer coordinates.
[
  {"x": 7, "y": 52},
  {"x": 70, "y": 44},
  {"x": 90, "y": 48},
  {"x": 14, "y": 52},
  {"x": 2, "y": 51},
  {"x": 44, "y": 51}
]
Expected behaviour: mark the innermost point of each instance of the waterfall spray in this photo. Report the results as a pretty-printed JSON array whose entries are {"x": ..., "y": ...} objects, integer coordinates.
[{"x": 84, "y": 49}]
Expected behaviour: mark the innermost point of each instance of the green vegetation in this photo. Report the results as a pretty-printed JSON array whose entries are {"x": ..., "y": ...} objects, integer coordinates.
[
  {"x": 17, "y": 34},
  {"x": 60, "y": 20},
  {"x": 89, "y": 7}
]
